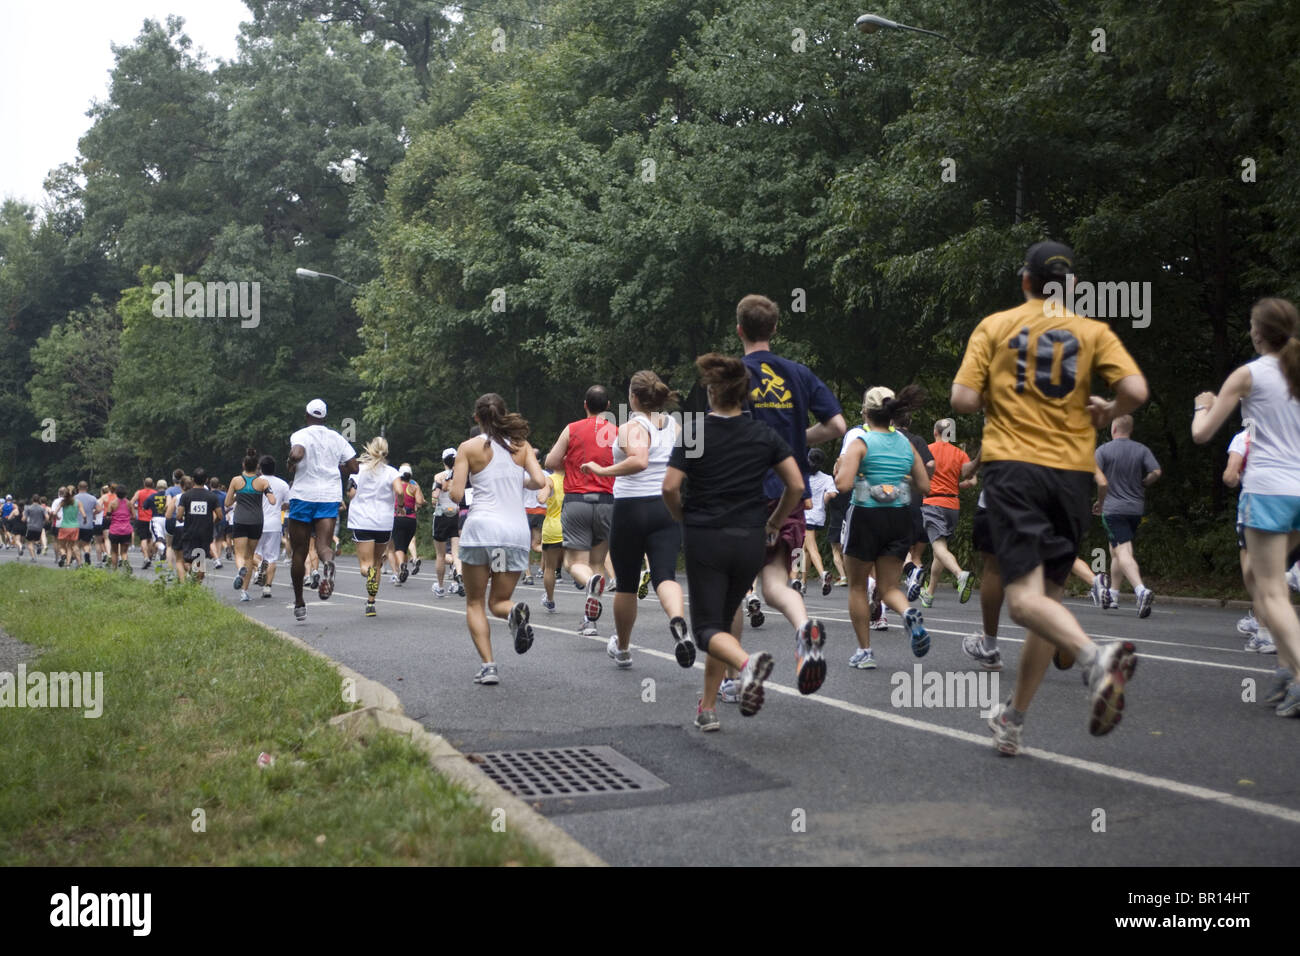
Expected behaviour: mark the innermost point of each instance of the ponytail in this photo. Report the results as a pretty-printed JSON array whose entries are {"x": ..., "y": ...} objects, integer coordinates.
[
  {"x": 509, "y": 429},
  {"x": 726, "y": 375},
  {"x": 1278, "y": 324}
]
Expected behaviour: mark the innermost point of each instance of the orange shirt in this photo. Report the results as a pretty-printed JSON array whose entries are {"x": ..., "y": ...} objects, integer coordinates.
[{"x": 948, "y": 461}]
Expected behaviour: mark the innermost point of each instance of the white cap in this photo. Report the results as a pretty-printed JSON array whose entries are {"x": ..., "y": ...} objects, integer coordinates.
[
  {"x": 448, "y": 453},
  {"x": 316, "y": 408}
]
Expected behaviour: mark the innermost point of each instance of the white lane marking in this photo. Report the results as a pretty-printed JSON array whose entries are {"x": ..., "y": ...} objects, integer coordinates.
[{"x": 1088, "y": 766}]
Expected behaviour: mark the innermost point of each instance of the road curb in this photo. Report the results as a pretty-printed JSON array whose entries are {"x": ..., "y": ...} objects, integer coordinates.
[{"x": 381, "y": 709}]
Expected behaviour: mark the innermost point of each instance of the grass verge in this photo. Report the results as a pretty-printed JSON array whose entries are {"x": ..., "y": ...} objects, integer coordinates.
[{"x": 192, "y": 693}]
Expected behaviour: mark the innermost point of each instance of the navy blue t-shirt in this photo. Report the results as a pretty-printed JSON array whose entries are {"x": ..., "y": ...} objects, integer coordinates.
[{"x": 783, "y": 394}]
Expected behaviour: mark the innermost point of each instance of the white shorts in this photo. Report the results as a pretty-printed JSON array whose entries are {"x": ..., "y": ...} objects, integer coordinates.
[
  {"x": 268, "y": 546},
  {"x": 158, "y": 528}
]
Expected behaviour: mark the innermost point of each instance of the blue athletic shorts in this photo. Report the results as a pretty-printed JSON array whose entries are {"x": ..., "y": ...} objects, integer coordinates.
[
  {"x": 309, "y": 511},
  {"x": 1275, "y": 513}
]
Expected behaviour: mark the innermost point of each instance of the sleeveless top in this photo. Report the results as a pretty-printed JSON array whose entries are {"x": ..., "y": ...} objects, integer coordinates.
[
  {"x": 650, "y": 482},
  {"x": 498, "y": 519},
  {"x": 592, "y": 439},
  {"x": 404, "y": 507},
  {"x": 120, "y": 522},
  {"x": 248, "y": 503},
  {"x": 1272, "y": 419},
  {"x": 888, "y": 461}
]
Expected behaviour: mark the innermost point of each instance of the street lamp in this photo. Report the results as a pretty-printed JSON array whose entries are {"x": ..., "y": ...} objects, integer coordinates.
[
  {"x": 313, "y": 274},
  {"x": 870, "y": 23}
]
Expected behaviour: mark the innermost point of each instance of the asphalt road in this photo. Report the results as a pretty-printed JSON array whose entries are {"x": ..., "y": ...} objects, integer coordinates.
[{"x": 1193, "y": 776}]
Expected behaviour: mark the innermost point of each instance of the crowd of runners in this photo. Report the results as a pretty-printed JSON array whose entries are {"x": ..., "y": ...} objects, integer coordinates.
[{"x": 749, "y": 501}]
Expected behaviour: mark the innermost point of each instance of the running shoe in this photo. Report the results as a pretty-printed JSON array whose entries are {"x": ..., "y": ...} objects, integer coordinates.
[
  {"x": 916, "y": 580},
  {"x": 706, "y": 720},
  {"x": 1098, "y": 591},
  {"x": 973, "y": 645},
  {"x": 327, "y": 581},
  {"x": 753, "y": 607},
  {"x": 643, "y": 588},
  {"x": 595, "y": 588},
  {"x": 1062, "y": 659},
  {"x": 588, "y": 628},
  {"x": 439, "y": 591},
  {"x": 927, "y": 598},
  {"x": 1276, "y": 692},
  {"x": 622, "y": 658},
  {"x": 239, "y": 579},
  {"x": 908, "y": 568},
  {"x": 526, "y": 580},
  {"x": 1293, "y": 577},
  {"x": 392, "y": 579},
  {"x": 415, "y": 566},
  {"x": 216, "y": 562},
  {"x": 518, "y": 624},
  {"x": 863, "y": 659},
  {"x": 243, "y": 596},
  {"x": 826, "y": 584},
  {"x": 881, "y": 623},
  {"x": 146, "y": 565},
  {"x": 487, "y": 674},
  {"x": 1111, "y": 671},
  {"x": 684, "y": 647},
  {"x": 876, "y": 609},
  {"x": 266, "y": 592},
  {"x": 797, "y": 585},
  {"x": 300, "y": 614},
  {"x": 61, "y": 562},
  {"x": 460, "y": 588},
  {"x": 1248, "y": 624},
  {"x": 729, "y": 691},
  {"x": 1145, "y": 600},
  {"x": 1290, "y": 703},
  {"x": 403, "y": 573},
  {"x": 549, "y": 605},
  {"x": 965, "y": 583},
  {"x": 842, "y": 583},
  {"x": 1108, "y": 600},
  {"x": 260, "y": 579},
  {"x": 914, "y": 624},
  {"x": 757, "y": 669},
  {"x": 372, "y": 582},
  {"x": 314, "y": 583},
  {"x": 1005, "y": 734},
  {"x": 370, "y": 609},
  {"x": 1261, "y": 642},
  {"x": 809, "y": 664}
]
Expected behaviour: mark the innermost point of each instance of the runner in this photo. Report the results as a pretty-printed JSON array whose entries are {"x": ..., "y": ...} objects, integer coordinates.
[
  {"x": 198, "y": 512},
  {"x": 837, "y": 506},
  {"x": 142, "y": 518},
  {"x": 821, "y": 486},
  {"x": 15, "y": 525},
  {"x": 117, "y": 512},
  {"x": 728, "y": 526},
  {"x": 408, "y": 502},
  {"x": 1130, "y": 469},
  {"x": 782, "y": 395},
  {"x": 552, "y": 538},
  {"x": 1268, "y": 389},
  {"x": 915, "y": 570},
  {"x": 174, "y": 491},
  {"x": 374, "y": 505},
  {"x": 248, "y": 493},
  {"x": 158, "y": 523},
  {"x": 70, "y": 515},
  {"x": 941, "y": 509},
  {"x": 1037, "y": 452},
  {"x": 36, "y": 516},
  {"x": 641, "y": 526},
  {"x": 446, "y": 526},
  {"x": 588, "y": 500},
  {"x": 875, "y": 467},
  {"x": 319, "y": 458},
  {"x": 273, "y": 510},
  {"x": 220, "y": 532},
  {"x": 494, "y": 543},
  {"x": 536, "y": 512},
  {"x": 1258, "y": 639}
]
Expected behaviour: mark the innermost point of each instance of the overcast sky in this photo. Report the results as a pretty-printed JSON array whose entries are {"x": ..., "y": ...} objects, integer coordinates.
[{"x": 55, "y": 59}]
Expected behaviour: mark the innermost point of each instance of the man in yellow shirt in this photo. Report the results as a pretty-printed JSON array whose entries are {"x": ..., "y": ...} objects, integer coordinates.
[
  {"x": 552, "y": 538},
  {"x": 1030, "y": 369}
]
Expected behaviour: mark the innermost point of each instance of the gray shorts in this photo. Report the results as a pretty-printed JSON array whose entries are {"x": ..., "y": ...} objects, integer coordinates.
[
  {"x": 584, "y": 523},
  {"x": 940, "y": 522},
  {"x": 499, "y": 560}
]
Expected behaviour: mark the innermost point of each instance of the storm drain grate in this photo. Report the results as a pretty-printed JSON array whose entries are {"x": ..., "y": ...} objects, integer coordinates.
[{"x": 567, "y": 772}]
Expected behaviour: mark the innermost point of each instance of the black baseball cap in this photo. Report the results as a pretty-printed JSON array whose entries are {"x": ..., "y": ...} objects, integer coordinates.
[{"x": 1048, "y": 260}]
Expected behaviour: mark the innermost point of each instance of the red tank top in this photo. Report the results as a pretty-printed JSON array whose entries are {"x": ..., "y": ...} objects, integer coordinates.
[{"x": 591, "y": 439}]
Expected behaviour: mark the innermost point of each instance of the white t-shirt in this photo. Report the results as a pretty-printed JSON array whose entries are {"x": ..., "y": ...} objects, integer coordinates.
[
  {"x": 371, "y": 508},
  {"x": 271, "y": 512},
  {"x": 317, "y": 476},
  {"x": 818, "y": 484},
  {"x": 1275, "y": 436}
]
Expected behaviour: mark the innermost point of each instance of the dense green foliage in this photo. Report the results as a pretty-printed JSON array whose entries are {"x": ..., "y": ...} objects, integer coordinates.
[{"x": 551, "y": 193}]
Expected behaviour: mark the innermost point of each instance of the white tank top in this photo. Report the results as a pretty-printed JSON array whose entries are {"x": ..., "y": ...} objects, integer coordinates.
[
  {"x": 497, "y": 519},
  {"x": 1272, "y": 418},
  {"x": 648, "y": 483}
]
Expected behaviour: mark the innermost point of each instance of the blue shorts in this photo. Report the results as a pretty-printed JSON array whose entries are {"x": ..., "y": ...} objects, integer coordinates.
[
  {"x": 309, "y": 511},
  {"x": 1275, "y": 513}
]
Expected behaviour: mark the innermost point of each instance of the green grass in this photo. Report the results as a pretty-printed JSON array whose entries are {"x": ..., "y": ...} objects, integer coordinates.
[{"x": 193, "y": 692}]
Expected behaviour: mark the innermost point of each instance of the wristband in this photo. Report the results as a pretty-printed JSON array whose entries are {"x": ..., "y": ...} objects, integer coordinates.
[{"x": 1200, "y": 408}]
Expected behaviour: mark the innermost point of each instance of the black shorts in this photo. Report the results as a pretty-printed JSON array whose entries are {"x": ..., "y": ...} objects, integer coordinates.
[
  {"x": 720, "y": 567},
  {"x": 34, "y": 535},
  {"x": 253, "y": 531},
  {"x": 1120, "y": 529},
  {"x": 919, "y": 534},
  {"x": 814, "y": 527},
  {"x": 85, "y": 535},
  {"x": 643, "y": 527},
  {"x": 878, "y": 533},
  {"x": 979, "y": 535},
  {"x": 535, "y": 521},
  {"x": 552, "y": 546},
  {"x": 99, "y": 529},
  {"x": 445, "y": 527},
  {"x": 379, "y": 537},
  {"x": 119, "y": 538},
  {"x": 403, "y": 532},
  {"x": 1037, "y": 517},
  {"x": 188, "y": 545},
  {"x": 141, "y": 528}
]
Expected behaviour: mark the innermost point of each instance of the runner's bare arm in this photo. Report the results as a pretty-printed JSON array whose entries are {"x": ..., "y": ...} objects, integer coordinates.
[
  {"x": 846, "y": 469},
  {"x": 833, "y": 427},
  {"x": 1214, "y": 410},
  {"x": 1130, "y": 394},
  {"x": 555, "y": 457},
  {"x": 296, "y": 454},
  {"x": 965, "y": 400},
  {"x": 534, "y": 478},
  {"x": 636, "y": 444},
  {"x": 1232, "y": 474},
  {"x": 350, "y": 467}
]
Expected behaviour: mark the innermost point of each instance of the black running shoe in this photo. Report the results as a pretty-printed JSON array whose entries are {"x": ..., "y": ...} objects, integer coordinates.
[
  {"x": 518, "y": 624},
  {"x": 685, "y": 647},
  {"x": 415, "y": 567}
]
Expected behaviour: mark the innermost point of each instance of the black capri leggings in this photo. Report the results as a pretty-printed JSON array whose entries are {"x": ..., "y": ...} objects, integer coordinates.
[
  {"x": 720, "y": 566},
  {"x": 643, "y": 526},
  {"x": 403, "y": 532}
]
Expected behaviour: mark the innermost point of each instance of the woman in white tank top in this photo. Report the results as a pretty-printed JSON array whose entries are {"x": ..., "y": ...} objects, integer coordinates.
[
  {"x": 494, "y": 541},
  {"x": 1269, "y": 391},
  {"x": 641, "y": 527}
]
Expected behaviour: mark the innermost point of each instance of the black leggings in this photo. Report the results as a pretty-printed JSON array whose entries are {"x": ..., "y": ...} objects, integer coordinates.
[
  {"x": 720, "y": 566},
  {"x": 403, "y": 532},
  {"x": 643, "y": 526}
]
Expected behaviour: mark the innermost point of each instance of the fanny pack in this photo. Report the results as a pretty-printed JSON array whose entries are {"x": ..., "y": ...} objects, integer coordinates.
[{"x": 886, "y": 494}]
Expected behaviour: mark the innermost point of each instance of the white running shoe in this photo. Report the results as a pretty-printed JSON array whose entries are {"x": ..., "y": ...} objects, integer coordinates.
[
  {"x": 729, "y": 691},
  {"x": 439, "y": 591},
  {"x": 588, "y": 628},
  {"x": 989, "y": 660},
  {"x": 1261, "y": 642},
  {"x": 622, "y": 658},
  {"x": 1111, "y": 671},
  {"x": 757, "y": 669},
  {"x": 1248, "y": 624},
  {"x": 1293, "y": 577},
  {"x": 1005, "y": 734}
]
